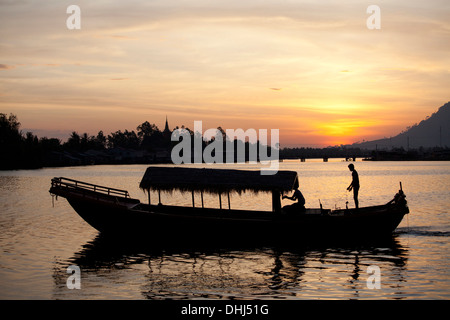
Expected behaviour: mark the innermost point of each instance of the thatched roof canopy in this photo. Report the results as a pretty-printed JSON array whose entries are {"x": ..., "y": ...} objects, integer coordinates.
[{"x": 216, "y": 180}]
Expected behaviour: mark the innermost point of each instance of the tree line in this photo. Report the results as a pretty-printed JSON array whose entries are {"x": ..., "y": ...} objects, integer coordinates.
[{"x": 25, "y": 150}]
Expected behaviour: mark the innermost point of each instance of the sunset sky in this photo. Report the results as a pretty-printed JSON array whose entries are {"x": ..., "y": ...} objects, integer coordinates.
[{"x": 311, "y": 69}]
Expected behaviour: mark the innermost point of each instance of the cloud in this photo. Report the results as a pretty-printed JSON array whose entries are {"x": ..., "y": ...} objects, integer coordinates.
[{"x": 6, "y": 67}]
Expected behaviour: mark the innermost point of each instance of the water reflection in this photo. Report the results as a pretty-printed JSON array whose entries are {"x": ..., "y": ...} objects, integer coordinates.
[{"x": 236, "y": 271}]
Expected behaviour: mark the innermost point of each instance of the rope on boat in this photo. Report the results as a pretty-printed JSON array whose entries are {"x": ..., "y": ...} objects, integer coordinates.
[
  {"x": 407, "y": 223},
  {"x": 53, "y": 199}
]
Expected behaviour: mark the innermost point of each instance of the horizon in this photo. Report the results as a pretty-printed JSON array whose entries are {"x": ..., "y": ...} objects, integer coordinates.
[
  {"x": 64, "y": 135},
  {"x": 312, "y": 70}
]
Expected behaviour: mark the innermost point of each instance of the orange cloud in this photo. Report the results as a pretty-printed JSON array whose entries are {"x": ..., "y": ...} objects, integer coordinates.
[{"x": 6, "y": 67}]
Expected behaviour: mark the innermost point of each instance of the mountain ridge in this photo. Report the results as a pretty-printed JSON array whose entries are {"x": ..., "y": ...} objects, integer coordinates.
[{"x": 433, "y": 131}]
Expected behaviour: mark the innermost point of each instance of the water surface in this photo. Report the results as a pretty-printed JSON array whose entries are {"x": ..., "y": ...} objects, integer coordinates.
[{"x": 41, "y": 236}]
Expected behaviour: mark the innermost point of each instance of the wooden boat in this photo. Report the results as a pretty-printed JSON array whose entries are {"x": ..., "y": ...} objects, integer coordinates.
[{"x": 112, "y": 211}]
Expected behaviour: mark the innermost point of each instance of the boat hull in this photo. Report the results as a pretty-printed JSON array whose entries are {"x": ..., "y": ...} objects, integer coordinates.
[{"x": 130, "y": 218}]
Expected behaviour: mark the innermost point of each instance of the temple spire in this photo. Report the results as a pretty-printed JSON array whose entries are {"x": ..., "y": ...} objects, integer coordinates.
[
  {"x": 167, "y": 125},
  {"x": 167, "y": 133}
]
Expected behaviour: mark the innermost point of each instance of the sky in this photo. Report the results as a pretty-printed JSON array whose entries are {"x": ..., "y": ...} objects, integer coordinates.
[{"x": 312, "y": 69}]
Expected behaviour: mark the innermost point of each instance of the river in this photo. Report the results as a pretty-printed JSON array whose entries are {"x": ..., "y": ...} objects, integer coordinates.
[{"x": 41, "y": 236}]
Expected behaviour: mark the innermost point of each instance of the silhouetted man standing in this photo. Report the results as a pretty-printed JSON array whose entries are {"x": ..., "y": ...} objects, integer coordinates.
[{"x": 355, "y": 184}]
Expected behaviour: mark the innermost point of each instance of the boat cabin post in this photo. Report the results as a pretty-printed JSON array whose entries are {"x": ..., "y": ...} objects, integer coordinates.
[
  {"x": 276, "y": 201},
  {"x": 202, "y": 198}
]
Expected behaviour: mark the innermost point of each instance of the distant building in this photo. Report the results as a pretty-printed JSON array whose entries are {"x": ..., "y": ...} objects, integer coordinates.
[{"x": 167, "y": 133}]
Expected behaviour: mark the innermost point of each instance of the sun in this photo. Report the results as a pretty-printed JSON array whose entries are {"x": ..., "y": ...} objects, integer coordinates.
[{"x": 343, "y": 131}]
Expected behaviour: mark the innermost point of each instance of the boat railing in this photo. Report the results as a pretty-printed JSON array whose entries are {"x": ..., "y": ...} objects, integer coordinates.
[{"x": 72, "y": 184}]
